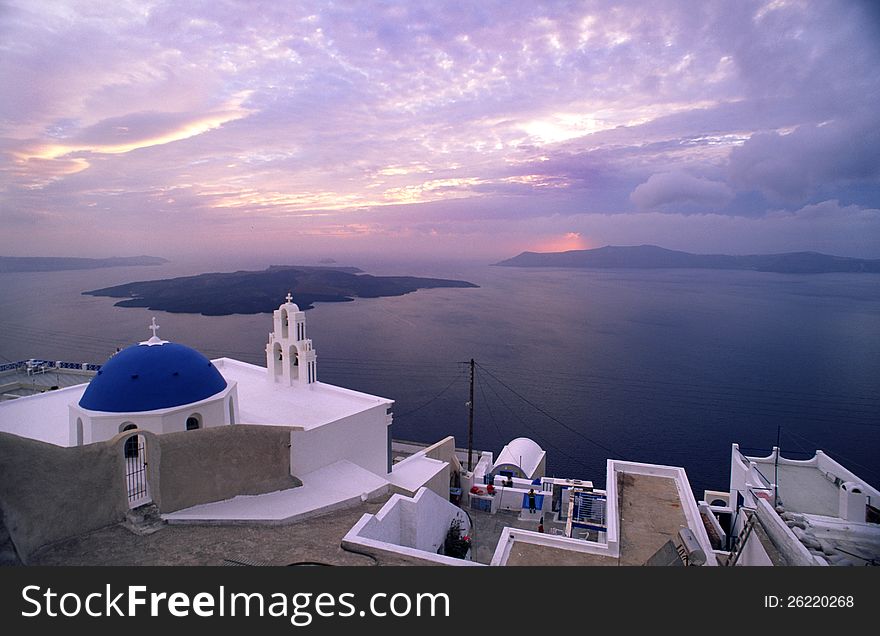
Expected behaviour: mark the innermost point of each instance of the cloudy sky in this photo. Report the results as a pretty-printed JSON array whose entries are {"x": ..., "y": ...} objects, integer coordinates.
[{"x": 459, "y": 129}]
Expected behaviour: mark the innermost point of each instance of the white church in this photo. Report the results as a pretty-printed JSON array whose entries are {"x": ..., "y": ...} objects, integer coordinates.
[{"x": 338, "y": 440}]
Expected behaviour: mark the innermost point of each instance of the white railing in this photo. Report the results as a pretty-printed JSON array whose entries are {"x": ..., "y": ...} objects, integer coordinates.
[{"x": 40, "y": 366}]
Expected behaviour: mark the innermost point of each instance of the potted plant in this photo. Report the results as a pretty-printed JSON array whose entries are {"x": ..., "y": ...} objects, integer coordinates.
[{"x": 457, "y": 543}]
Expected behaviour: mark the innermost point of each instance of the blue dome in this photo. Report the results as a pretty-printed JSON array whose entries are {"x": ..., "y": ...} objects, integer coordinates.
[{"x": 146, "y": 378}]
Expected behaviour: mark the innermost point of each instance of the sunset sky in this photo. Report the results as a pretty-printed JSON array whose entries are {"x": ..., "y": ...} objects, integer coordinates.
[{"x": 462, "y": 129}]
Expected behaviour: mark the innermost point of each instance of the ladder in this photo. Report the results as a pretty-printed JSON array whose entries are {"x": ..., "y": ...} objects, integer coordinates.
[{"x": 740, "y": 541}]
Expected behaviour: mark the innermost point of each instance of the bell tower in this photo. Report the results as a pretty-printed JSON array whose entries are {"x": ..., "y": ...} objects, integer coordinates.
[{"x": 290, "y": 357}]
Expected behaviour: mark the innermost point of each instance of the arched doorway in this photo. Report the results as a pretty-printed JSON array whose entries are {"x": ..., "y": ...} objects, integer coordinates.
[{"x": 134, "y": 452}]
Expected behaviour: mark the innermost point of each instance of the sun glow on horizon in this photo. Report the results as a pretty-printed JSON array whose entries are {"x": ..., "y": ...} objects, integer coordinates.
[{"x": 564, "y": 243}]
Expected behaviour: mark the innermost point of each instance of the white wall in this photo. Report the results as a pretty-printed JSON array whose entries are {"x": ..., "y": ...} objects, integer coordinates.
[
  {"x": 706, "y": 511},
  {"x": 788, "y": 545},
  {"x": 753, "y": 554},
  {"x": 831, "y": 467},
  {"x": 387, "y": 525},
  {"x": 414, "y": 527},
  {"x": 360, "y": 438},
  {"x": 98, "y": 427},
  {"x": 420, "y": 522},
  {"x": 437, "y": 459}
]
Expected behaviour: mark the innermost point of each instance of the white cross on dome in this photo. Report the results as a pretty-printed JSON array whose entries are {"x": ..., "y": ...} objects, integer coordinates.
[{"x": 155, "y": 340}]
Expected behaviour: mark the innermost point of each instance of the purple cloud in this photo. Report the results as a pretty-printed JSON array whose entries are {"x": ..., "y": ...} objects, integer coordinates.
[
  {"x": 793, "y": 165},
  {"x": 678, "y": 187},
  {"x": 294, "y": 120}
]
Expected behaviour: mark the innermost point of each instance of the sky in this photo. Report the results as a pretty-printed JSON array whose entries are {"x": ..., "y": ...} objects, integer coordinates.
[{"x": 463, "y": 130}]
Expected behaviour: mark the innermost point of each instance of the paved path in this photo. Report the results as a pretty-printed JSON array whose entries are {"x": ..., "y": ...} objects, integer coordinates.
[
  {"x": 314, "y": 540},
  {"x": 339, "y": 485}
]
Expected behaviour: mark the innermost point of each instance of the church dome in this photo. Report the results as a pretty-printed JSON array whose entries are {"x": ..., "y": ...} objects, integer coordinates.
[{"x": 146, "y": 377}]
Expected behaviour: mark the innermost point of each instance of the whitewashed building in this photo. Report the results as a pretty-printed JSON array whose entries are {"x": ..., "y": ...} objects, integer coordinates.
[{"x": 339, "y": 439}]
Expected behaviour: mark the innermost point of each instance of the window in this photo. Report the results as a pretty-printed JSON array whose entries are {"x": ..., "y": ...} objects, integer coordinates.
[
  {"x": 193, "y": 422},
  {"x": 131, "y": 444}
]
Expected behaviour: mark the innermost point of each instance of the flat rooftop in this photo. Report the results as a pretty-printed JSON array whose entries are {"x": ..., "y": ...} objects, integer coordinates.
[
  {"x": 34, "y": 399},
  {"x": 803, "y": 488},
  {"x": 651, "y": 509},
  {"x": 522, "y": 553},
  {"x": 261, "y": 402},
  {"x": 809, "y": 499},
  {"x": 42, "y": 417},
  {"x": 650, "y": 515},
  {"x": 316, "y": 540},
  {"x": 19, "y": 382}
]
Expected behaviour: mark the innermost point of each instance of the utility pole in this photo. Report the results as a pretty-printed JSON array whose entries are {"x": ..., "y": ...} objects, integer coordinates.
[
  {"x": 471, "y": 421},
  {"x": 776, "y": 467}
]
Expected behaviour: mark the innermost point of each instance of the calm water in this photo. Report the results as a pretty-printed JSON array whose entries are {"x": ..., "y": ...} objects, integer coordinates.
[{"x": 656, "y": 366}]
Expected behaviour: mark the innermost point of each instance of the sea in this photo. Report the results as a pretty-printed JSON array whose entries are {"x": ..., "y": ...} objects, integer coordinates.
[{"x": 660, "y": 366}]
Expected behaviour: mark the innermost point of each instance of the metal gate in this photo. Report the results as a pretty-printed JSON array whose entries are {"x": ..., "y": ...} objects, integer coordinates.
[
  {"x": 136, "y": 471},
  {"x": 586, "y": 511}
]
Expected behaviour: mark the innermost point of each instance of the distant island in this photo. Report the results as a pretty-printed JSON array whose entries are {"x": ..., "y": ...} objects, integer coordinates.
[
  {"x": 62, "y": 263},
  {"x": 255, "y": 292},
  {"x": 653, "y": 257}
]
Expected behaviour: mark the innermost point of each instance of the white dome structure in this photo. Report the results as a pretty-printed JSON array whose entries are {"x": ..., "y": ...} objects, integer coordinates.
[
  {"x": 523, "y": 458},
  {"x": 156, "y": 386}
]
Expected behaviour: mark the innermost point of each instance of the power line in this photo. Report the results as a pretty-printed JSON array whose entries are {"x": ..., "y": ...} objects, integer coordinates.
[
  {"x": 488, "y": 408},
  {"x": 644, "y": 393},
  {"x": 548, "y": 415},
  {"x": 843, "y": 457},
  {"x": 536, "y": 434},
  {"x": 711, "y": 406},
  {"x": 799, "y": 394},
  {"x": 419, "y": 408},
  {"x": 726, "y": 396},
  {"x": 798, "y": 444}
]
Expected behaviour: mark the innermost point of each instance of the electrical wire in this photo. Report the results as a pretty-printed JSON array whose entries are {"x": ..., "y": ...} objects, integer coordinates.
[
  {"x": 535, "y": 434},
  {"x": 420, "y": 407},
  {"x": 549, "y": 416}
]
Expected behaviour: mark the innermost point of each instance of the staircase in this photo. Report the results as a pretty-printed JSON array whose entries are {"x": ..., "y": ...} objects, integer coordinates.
[{"x": 144, "y": 520}]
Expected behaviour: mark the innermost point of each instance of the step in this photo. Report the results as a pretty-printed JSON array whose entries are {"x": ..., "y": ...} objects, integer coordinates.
[{"x": 144, "y": 520}]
